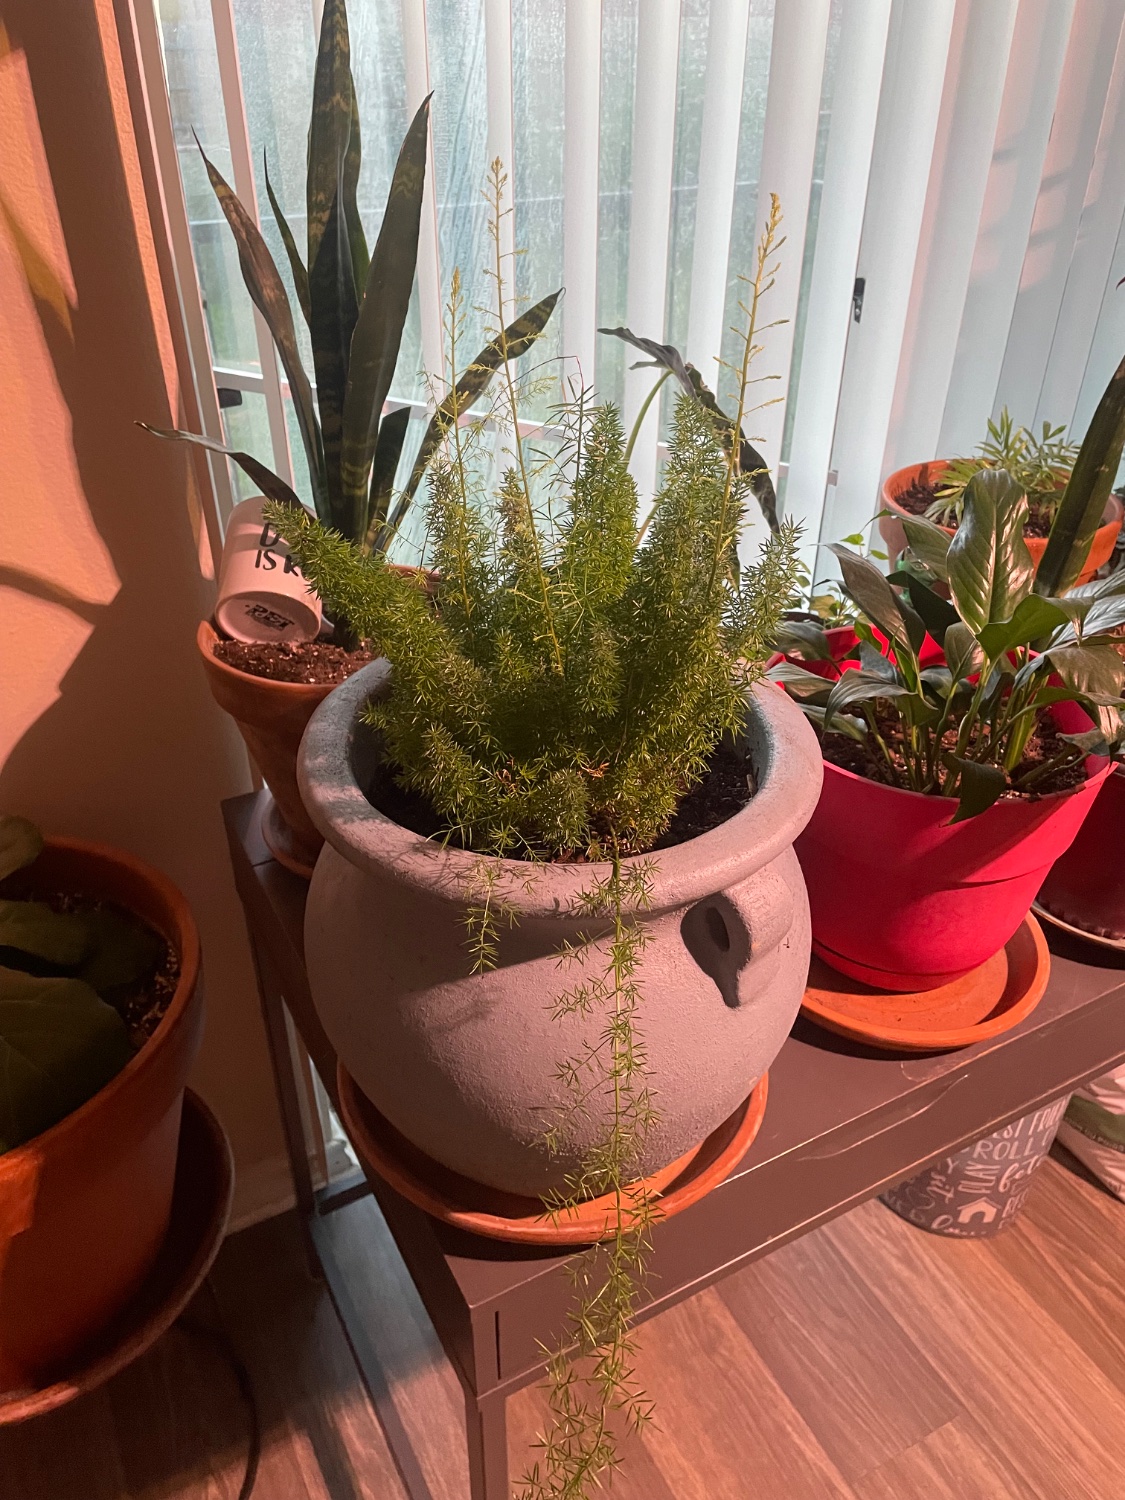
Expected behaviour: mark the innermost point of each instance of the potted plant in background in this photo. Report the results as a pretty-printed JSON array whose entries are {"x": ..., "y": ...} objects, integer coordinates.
[
  {"x": 957, "y": 742},
  {"x": 568, "y": 761},
  {"x": 99, "y": 1023},
  {"x": 355, "y": 305},
  {"x": 1042, "y": 465},
  {"x": 1085, "y": 888}
]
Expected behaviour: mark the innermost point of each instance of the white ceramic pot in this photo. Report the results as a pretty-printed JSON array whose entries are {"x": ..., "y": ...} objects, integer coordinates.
[{"x": 465, "y": 1065}]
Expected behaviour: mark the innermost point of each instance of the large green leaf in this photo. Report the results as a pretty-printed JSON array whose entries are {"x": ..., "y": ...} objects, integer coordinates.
[
  {"x": 1095, "y": 670},
  {"x": 382, "y": 317},
  {"x": 334, "y": 312},
  {"x": 296, "y": 264},
  {"x": 266, "y": 480},
  {"x": 20, "y": 844},
  {"x": 990, "y": 568},
  {"x": 59, "y": 1044},
  {"x": 866, "y": 586},
  {"x": 63, "y": 938},
  {"x": 515, "y": 341},
  {"x": 1083, "y": 502},
  {"x": 267, "y": 292},
  {"x": 750, "y": 461}
]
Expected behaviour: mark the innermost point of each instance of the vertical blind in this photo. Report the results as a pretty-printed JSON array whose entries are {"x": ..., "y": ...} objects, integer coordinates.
[{"x": 951, "y": 172}]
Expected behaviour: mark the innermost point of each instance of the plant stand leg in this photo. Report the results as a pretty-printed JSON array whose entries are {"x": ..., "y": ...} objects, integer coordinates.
[{"x": 486, "y": 1427}]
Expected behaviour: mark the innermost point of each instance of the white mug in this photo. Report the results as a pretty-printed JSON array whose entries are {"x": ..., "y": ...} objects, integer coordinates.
[{"x": 263, "y": 596}]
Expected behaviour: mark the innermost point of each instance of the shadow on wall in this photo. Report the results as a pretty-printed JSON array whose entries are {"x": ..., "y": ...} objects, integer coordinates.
[{"x": 132, "y": 751}]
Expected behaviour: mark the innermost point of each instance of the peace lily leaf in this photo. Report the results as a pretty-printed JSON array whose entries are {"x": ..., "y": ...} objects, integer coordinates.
[
  {"x": 515, "y": 341},
  {"x": 873, "y": 661},
  {"x": 62, "y": 938},
  {"x": 990, "y": 568},
  {"x": 846, "y": 724},
  {"x": 929, "y": 543},
  {"x": 939, "y": 680},
  {"x": 979, "y": 788},
  {"x": 799, "y": 682},
  {"x": 750, "y": 461},
  {"x": 59, "y": 1044},
  {"x": 936, "y": 613},
  {"x": 124, "y": 950},
  {"x": 1095, "y": 741},
  {"x": 803, "y": 638},
  {"x": 963, "y": 653},
  {"x": 1104, "y": 615},
  {"x": 1083, "y": 503},
  {"x": 382, "y": 317},
  {"x": 1034, "y": 617},
  {"x": 868, "y": 587},
  {"x": 296, "y": 264},
  {"x": 1095, "y": 668},
  {"x": 267, "y": 292},
  {"x": 859, "y": 687},
  {"x": 20, "y": 844},
  {"x": 266, "y": 480}
]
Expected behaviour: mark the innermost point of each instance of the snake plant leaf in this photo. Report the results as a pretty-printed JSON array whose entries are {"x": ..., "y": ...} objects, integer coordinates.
[
  {"x": 20, "y": 844},
  {"x": 34, "y": 928},
  {"x": 980, "y": 786},
  {"x": 59, "y": 1044},
  {"x": 267, "y": 292},
  {"x": 334, "y": 312},
  {"x": 384, "y": 466},
  {"x": 330, "y": 127},
  {"x": 382, "y": 314},
  {"x": 866, "y": 586},
  {"x": 750, "y": 461},
  {"x": 515, "y": 341},
  {"x": 296, "y": 264},
  {"x": 266, "y": 480},
  {"x": 990, "y": 568},
  {"x": 1083, "y": 503},
  {"x": 357, "y": 240},
  {"x": 929, "y": 544}
]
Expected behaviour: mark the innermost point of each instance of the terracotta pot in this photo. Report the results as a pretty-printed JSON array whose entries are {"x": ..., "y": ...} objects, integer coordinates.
[
  {"x": 891, "y": 529},
  {"x": 271, "y": 717},
  {"x": 85, "y": 1206},
  {"x": 937, "y": 899},
  {"x": 464, "y": 1065},
  {"x": 978, "y": 1191},
  {"x": 1086, "y": 884}
]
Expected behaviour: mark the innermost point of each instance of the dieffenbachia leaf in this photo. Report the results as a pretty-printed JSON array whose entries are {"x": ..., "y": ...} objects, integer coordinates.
[
  {"x": 750, "y": 461},
  {"x": 978, "y": 788},
  {"x": 990, "y": 568},
  {"x": 382, "y": 317},
  {"x": 267, "y": 292},
  {"x": 514, "y": 342},
  {"x": 296, "y": 264},
  {"x": 59, "y": 1044},
  {"x": 1083, "y": 503},
  {"x": 266, "y": 480},
  {"x": 20, "y": 843}
]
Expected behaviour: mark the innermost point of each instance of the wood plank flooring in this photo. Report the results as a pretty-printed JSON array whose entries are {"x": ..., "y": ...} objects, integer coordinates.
[{"x": 867, "y": 1361}]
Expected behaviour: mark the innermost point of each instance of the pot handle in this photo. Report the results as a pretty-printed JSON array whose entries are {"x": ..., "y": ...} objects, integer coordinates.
[{"x": 734, "y": 935}]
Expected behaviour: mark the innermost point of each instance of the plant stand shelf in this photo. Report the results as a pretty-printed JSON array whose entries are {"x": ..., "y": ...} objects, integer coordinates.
[{"x": 844, "y": 1122}]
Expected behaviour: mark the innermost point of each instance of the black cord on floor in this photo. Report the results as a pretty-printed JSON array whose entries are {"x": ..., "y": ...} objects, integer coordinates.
[{"x": 220, "y": 1339}]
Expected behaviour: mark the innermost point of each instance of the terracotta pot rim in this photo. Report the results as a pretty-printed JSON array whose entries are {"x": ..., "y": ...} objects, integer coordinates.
[
  {"x": 1113, "y": 503},
  {"x": 185, "y": 939},
  {"x": 207, "y": 637},
  {"x": 683, "y": 874}
]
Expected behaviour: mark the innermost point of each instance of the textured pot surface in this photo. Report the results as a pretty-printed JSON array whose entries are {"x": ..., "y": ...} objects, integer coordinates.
[
  {"x": 891, "y": 528},
  {"x": 905, "y": 900},
  {"x": 271, "y": 717},
  {"x": 1086, "y": 885},
  {"x": 978, "y": 1191},
  {"x": 84, "y": 1207},
  {"x": 465, "y": 1065}
]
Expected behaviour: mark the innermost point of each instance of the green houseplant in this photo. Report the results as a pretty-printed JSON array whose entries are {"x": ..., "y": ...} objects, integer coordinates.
[
  {"x": 355, "y": 304},
  {"x": 958, "y": 732},
  {"x": 99, "y": 1023},
  {"x": 1046, "y": 467},
  {"x": 530, "y": 783}
]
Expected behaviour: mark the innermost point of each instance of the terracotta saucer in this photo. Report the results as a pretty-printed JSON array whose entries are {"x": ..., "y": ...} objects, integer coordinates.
[
  {"x": 1116, "y": 944},
  {"x": 200, "y": 1209},
  {"x": 285, "y": 845},
  {"x": 503, "y": 1216},
  {"x": 990, "y": 1000}
]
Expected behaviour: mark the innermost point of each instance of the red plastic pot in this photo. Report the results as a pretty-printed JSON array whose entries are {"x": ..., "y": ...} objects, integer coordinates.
[
  {"x": 904, "y": 900},
  {"x": 894, "y": 537},
  {"x": 1086, "y": 885}
]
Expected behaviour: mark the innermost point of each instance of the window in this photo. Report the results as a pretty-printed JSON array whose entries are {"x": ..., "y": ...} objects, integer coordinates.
[{"x": 954, "y": 155}]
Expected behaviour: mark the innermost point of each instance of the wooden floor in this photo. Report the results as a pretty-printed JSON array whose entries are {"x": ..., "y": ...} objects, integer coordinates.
[{"x": 867, "y": 1361}]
